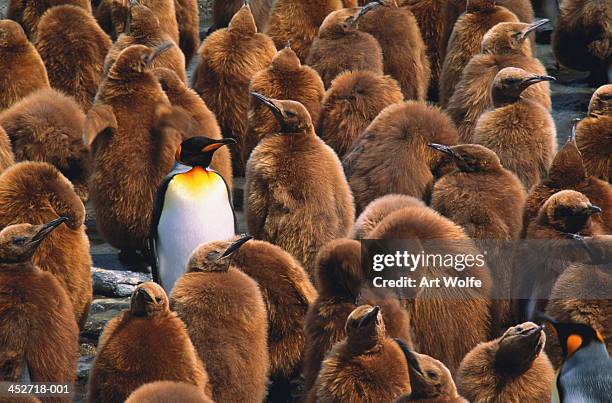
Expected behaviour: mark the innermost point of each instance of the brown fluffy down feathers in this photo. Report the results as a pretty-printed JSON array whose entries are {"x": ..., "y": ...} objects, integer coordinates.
[
  {"x": 36, "y": 193},
  {"x": 28, "y": 13},
  {"x": 6, "y": 152},
  {"x": 167, "y": 391}
]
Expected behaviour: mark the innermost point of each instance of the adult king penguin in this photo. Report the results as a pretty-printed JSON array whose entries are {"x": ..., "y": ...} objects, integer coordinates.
[{"x": 192, "y": 206}]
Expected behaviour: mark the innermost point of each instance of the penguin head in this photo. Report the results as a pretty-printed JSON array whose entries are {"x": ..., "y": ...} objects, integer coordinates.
[
  {"x": 470, "y": 157},
  {"x": 216, "y": 256},
  {"x": 141, "y": 22},
  {"x": 598, "y": 248},
  {"x": 568, "y": 211},
  {"x": 135, "y": 60},
  {"x": 336, "y": 17},
  {"x": 292, "y": 116},
  {"x": 510, "y": 83},
  {"x": 19, "y": 242},
  {"x": 199, "y": 150},
  {"x": 601, "y": 101},
  {"x": 518, "y": 347},
  {"x": 509, "y": 38},
  {"x": 567, "y": 168},
  {"x": 429, "y": 378},
  {"x": 365, "y": 327},
  {"x": 474, "y": 6},
  {"x": 169, "y": 81},
  {"x": 286, "y": 60},
  {"x": 12, "y": 35},
  {"x": 243, "y": 22},
  {"x": 574, "y": 336},
  {"x": 338, "y": 270},
  {"x": 148, "y": 299}
]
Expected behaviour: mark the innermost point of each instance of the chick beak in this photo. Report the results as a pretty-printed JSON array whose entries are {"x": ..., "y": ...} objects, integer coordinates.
[
  {"x": 532, "y": 27},
  {"x": 413, "y": 362},
  {"x": 369, "y": 317},
  {"x": 592, "y": 209},
  {"x": 536, "y": 79},
  {"x": 235, "y": 246},
  {"x": 46, "y": 229},
  {"x": 158, "y": 50},
  {"x": 367, "y": 8},
  {"x": 572, "y": 136},
  {"x": 446, "y": 150},
  {"x": 276, "y": 111},
  {"x": 145, "y": 295}
]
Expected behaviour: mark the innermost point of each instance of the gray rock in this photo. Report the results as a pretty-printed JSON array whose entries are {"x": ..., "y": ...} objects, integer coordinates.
[
  {"x": 101, "y": 311},
  {"x": 116, "y": 283}
]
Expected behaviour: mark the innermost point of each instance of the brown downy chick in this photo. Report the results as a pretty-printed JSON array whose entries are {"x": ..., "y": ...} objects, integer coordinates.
[
  {"x": 203, "y": 120},
  {"x": 295, "y": 181},
  {"x": 225, "y": 315},
  {"x": 130, "y": 154},
  {"x": 404, "y": 51},
  {"x": 340, "y": 46},
  {"x": 47, "y": 126},
  {"x": 391, "y": 154},
  {"x": 168, "y": 391},
  {"x": 229, "y": 58},
  {"x": 298, "y": 22},
  {"x": 73, "y": 47},
  {"x": 6, "y": 152},
  {"x": 143, "y": 344},
  {"x": 188, "y": 21},
  {"x": 504, "y": 45},
  {"x": 28, "y": 13},
  {"x": 339, "y": 280},
  {"x": 284, "y": 78},
  {"x": 36, "y": 192},
  {"x": 40, "y": 337},
  {"x": 465, "y": 40},
  {"x": 582, "y": 39},
  {"x": 594, "y": 135},
  {"x": 430, "y": 381},
  {"x": 165, "y": 11},
  {"x": 377, "y": 210},
  {"x": 111, "y": 16},
  {"x": 143, "y": 28},
  {"x": 367, "y": 366},
  {"x": 22, "y": 70},
  {"x": 286, "y": 303},
  {"x": 511, "y": 368},
  {"x": 567, "y": 172},
  {"x": 354, "y": 99},
  {"x": 528, "y": 145},
  {"x": 224, "y": 10}
]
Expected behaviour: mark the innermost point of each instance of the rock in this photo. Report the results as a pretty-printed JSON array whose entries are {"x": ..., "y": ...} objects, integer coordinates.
[
  {"x": 116, "y": 283},
  {"x": 101, "y": 311}
]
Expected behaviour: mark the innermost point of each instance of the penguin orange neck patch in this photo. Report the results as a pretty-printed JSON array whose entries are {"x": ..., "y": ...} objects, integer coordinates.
[
  {"x": 198, "y": 179},
  {"x": 574, "y": 342}
]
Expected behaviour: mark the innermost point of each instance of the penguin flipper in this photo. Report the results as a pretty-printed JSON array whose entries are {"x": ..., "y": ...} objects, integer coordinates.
[
  {"x": 100, "y": 124},
  {"x": 158, "y": 206}
]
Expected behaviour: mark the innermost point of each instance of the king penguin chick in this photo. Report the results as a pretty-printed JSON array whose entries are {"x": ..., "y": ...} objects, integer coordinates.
[
  {"x": 36, "y": 192},
  {"x": 391, "y": 154},
  {"x": 580, "y": 294},
  {"x": 168, "y": 392},
  {"x": 144, "y": 343},
  {"x": 143, "y": 28},
  {"x": 404, "y": 52},
  {"x": 191, "y": 207},
  {"x": 164, "y": 10},
  {"x": 340, "y": 46},
  {"x": 430, "y": 381},
  {"x": 38, "y": 331},
  {"x": 504, "y": 45},
  {"x": 582, "y": 39},
  {"x": 28, "y": 13},
  {"x": 298, "y": 22},
  {"x": 73, "y": 47},
  {"x": 284, "y": 78},
  {"x": 594, "y": 135},
  {"x": 294, "y": 180},
  {"x": 226, "y": 319},
  {"x": 6, "y": 153},
  {"x": 22, "y": 70},
  {"x": 526, "y": 147},
  {"x": 511, "y": 368},
  {"x": 367, "y": 366},
  {"x": 224, "y": 10},
  {"x": 567, "y": 172},
  {"x": 47, "y": 126},
  {"x": 339, "y": 280},
  {"x": 202, "y": 119},
  {"x": 465, "y": 40},
  {"x": 188, "y": 21},
  {"x": 286, "y": 302},
  {"x": 229, "y": 58},
  {"x": 585, "y": 375},
  {"x": 354, "y": 99},
  {"x": 377, "y": 210},
  {"x": 130, "y": 155}
]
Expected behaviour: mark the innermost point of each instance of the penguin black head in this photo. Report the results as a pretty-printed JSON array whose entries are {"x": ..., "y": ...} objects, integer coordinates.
[
  {"x": 19, "y": 242},
  {"x": 199, "y": 150},
  {"x": 12, "y": 35},
  {"x": 518, "y": 347},
  {"x": 568, "y": 211},
  {"x": 510, "y": 83},
  {"x": 573, "y": 336},
  {"x": 429, "y": 378},
  {"x": 601, "y": 101},
  {"x": 365, "y": 327},
  {"x": 292, "y": 116},
  {"x": 135, "y": 60},
  {"x": 216, "y": 256},
  {"x": 509, "y": 37},
  {"x": 148, "y": 299},
  {"x": 470, "y": 157}
]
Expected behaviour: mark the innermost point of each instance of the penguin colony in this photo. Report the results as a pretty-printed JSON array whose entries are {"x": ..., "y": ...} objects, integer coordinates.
[{"x": 328, "y": 110}]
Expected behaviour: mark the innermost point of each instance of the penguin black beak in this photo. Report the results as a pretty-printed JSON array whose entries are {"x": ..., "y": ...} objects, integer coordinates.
[
  {"x": 276, "y": 111},
  {"x": 446, "y": 150},
  {"x": 235, "y": 246},
  {"x": 369, "y": 317},
  {"x": 532, "y": 27},
  {"x": 46, "y": 229},
  {"x": 534, "y": 80},
  {"x": 218, "y": 144},
  {"x": 583, "y": 243},
  {"x": 367, "y": 8},
  {"x": 413, "y": 362},
  {"x": 592, "y": 209},
  {"x": 572, "y": 136},
  {"x": 158, "y": 50},
  {"x": 145, "y": 295}
]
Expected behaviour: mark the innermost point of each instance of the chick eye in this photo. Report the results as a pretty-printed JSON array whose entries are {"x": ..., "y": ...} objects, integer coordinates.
[
  {"x": 432, "y": 375},
  {"x": 158, "y": 299},
  {"x": 290, "y": 114},
  {"x": 19, "y": 241}
]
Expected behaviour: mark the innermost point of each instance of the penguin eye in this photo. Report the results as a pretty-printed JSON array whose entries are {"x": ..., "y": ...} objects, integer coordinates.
[
  {"x": 158, "y": 299},
  {"x": 19, "y": 241},
  {"x": 290, "y": 114},
  {"x": 432, "y": 375}
]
